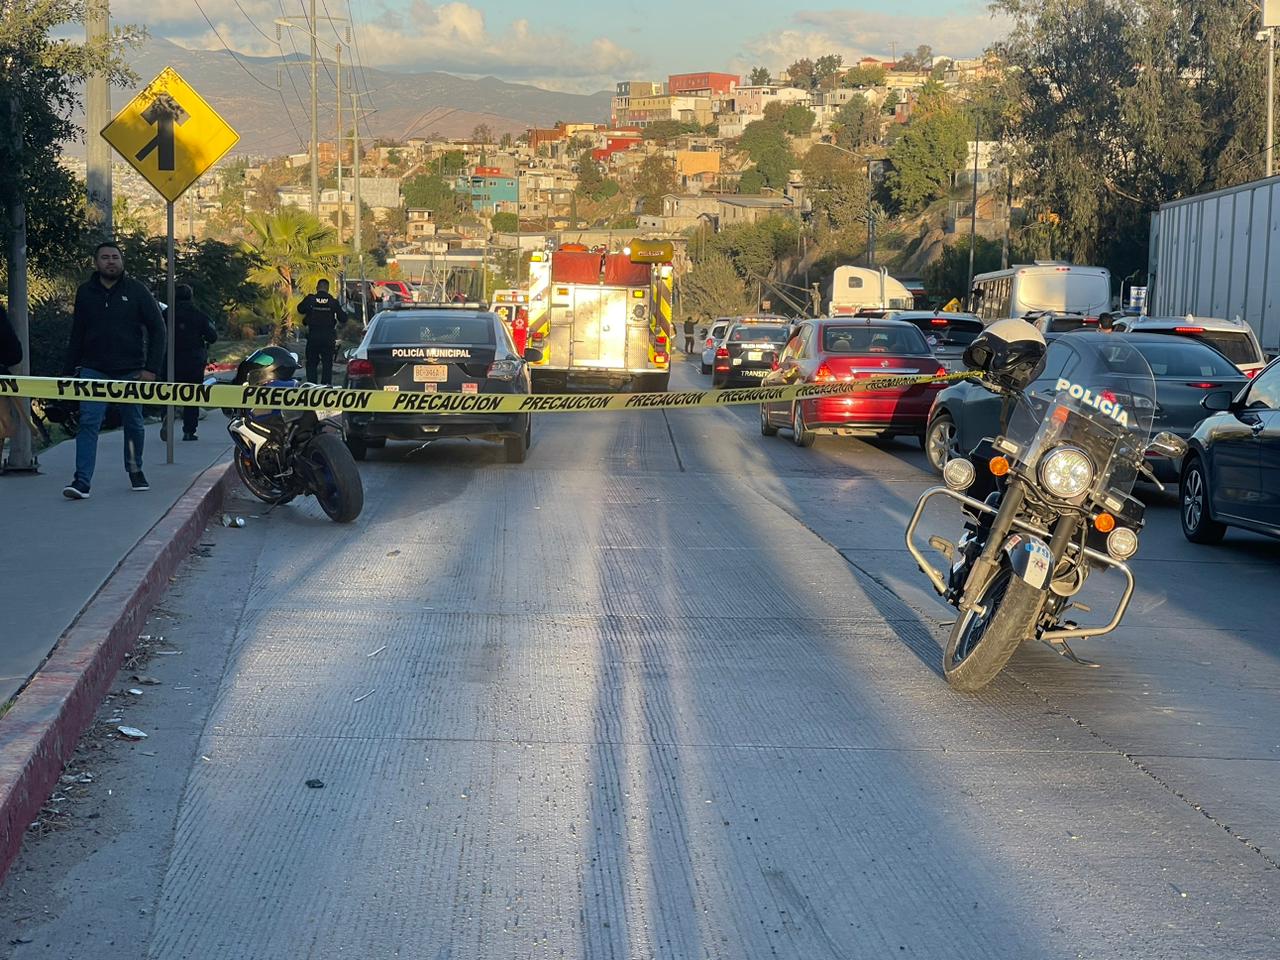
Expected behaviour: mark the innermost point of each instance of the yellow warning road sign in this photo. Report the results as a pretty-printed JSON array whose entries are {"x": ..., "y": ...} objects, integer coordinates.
[{"x": 169, "y": 134}]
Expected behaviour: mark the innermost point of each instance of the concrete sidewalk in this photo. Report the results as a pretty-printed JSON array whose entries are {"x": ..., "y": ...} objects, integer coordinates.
[{"x": 55, "y": 554}]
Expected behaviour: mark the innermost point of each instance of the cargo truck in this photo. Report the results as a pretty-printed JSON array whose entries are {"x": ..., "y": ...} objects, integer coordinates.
[{"x": 1218, "y": 255}]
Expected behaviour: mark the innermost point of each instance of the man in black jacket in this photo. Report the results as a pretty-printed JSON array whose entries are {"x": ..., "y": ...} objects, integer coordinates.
[
  {"x": 10, "y": 348},
  {"x": 193, "y": 332},
  {"x": 117, "y": 333},
  {"x": 321, "y": 315}
]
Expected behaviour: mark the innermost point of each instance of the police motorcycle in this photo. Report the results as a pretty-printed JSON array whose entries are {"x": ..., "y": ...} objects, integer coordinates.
[
  {"x": 1048, "y": 502},
  {"x": 283, "y": 454}
]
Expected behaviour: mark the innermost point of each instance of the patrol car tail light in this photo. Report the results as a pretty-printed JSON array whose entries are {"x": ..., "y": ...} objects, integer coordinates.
[
  {"x": 823, "y": 375},
  {"x": 722, "y": 353},
  {"x": 359, "y": 368},
  {"x": 503, "y": 369}
]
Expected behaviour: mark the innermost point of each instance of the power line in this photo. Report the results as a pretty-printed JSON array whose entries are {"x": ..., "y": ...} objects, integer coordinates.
[
  {"x": 359, "y": 61},
  {"x": 289, "y": 72},
  {"x": 247, "y": 71}
]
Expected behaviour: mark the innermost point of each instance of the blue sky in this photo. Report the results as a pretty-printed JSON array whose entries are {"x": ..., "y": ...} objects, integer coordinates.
[{"x": 586, "y": 45}]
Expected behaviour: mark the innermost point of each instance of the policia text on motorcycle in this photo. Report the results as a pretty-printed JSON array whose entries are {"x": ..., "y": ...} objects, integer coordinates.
[{"x": 321, "y": 315}]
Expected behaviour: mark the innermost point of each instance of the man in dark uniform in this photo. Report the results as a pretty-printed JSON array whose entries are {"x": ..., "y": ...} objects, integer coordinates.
[
  {"x": 688, "y": 336},
  {"x": 322, "y": 315},
  {"x": 193, "y": 332},
  {"x": 117, "y": 333}
]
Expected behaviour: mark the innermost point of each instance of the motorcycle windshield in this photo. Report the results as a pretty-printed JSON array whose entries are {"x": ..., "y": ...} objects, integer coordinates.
[{"x": 1101, "y": 403}]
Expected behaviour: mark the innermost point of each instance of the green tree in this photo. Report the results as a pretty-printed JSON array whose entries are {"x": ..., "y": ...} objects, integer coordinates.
[
  {"x": 435, "y": 194},
  {"x": 655, "y": 178},
  {"x": 825, "y": 69},
  {"x": 948, "y": 276},
  {"x": 857, "y": 124},
  {"x": 451, "y": 162},
  {"x": 590, "y": 177},
  {"x": 933, "y": 146},
  {"x": 890, "y": 104},
  {"x": 759, "y": 77},
  {"x": 765, "y": 142},
  {"x": 505, "y": 223},
  {"x": 663, "y": 130},
  {"x": 221, "y": 274},
  {"x": 292, "y": 250},
  {"x": 838, "y": 188},
  {"x": 482, "y": 133},
  {"x": 751, "y": 182},
  {"x": 798, "y": 121},
  {"x": 506, "y": 141},
  {"x": 714, "y": 288},
  {"x": 754, "y": 249},
  {"x": 803, "y": 74},
  {"x": 868, "y": 76}
]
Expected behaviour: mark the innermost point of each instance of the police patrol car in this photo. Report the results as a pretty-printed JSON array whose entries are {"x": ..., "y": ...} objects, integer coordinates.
[{"x": 439, "y": 348}]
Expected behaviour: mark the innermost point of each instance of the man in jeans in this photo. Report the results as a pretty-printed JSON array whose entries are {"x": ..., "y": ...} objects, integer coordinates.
[{"x": 116, "y": 334}]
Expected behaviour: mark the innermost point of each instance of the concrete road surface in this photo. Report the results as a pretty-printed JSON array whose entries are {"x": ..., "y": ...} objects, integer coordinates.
[{"x": 669, "y": 689}]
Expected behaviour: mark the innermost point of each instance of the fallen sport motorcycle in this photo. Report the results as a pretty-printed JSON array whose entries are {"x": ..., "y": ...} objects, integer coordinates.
[
  {"x": 1048, "y": 502},
  {"x": 283, "y": 454}
]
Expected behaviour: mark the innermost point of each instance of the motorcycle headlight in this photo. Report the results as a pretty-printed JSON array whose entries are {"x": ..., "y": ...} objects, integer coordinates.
[
  {"x": 959, "y": 474},
  {"x": 1067, "y": 472},
  {"x": 1122, "y": 543}
]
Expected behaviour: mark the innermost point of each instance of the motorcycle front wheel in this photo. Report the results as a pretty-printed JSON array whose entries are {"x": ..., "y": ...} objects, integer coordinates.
[
  {"x": 338, "y": 487},
  {"x": 981, "y": 643}
]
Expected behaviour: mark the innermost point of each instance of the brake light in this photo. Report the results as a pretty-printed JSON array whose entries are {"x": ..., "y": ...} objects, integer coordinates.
[
  {"x": 539, "y": 335},
  {"x": 359, "y": 368},
  {"x": 662, "y": 340},
  {"x": 722, "y": 353},
  {"x": 938, "y": 322},
  {"x": 711, "y": 342},
  {"x": 1251, "y": 373},
  {"x": 1188, "y": 329},
  {"x": 940, "y": 372},
  {"x": 823, "y": 374},
  {"x": 1203, "y": 386}
]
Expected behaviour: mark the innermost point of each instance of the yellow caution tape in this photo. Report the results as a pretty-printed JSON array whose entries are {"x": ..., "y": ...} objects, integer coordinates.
[{"x": 338, "y": 399}]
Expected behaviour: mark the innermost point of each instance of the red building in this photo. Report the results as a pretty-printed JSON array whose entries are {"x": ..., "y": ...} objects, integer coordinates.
[
  {"x": 702, "y": 84},
  {"x": 617, "y": 142}
]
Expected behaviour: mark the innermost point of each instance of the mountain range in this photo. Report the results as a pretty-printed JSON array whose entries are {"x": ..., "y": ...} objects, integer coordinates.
[{"x": 266, "y": 98}]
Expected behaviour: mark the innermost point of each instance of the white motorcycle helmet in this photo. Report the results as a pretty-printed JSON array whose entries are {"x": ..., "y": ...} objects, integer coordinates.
[{"x": 1011, "y": 353}]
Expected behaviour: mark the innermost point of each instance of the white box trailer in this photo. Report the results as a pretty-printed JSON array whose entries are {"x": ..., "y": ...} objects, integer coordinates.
[{"x": 1218, "y": 255}]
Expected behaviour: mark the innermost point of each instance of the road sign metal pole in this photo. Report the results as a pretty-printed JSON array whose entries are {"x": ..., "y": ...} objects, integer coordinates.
[
  {"x": 973, "y": 220},
  {"x": 171, "y": 328}
]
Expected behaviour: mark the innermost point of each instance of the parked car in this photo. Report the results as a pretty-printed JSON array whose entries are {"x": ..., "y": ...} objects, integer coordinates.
[
  {"x": 1185, "y": 371},
  {"x": 440, "y": 348},
  {"x": 1231, "y": 474},
  {"x": 748, "y": 352},
  {"x": 1236, "y": 341},
  {"x": 826, "y": 350},
  {"x": 400, "y": 288},
  {"x": 946, "y": 333},
  {"x": 711, "y": 341}
]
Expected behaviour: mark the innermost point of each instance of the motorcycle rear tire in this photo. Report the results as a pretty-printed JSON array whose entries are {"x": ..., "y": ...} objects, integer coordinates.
[
  {"x": 256, "y": 482},
  {"x": 1017, "y": 608},
  {"x": 343, "y": 498}
]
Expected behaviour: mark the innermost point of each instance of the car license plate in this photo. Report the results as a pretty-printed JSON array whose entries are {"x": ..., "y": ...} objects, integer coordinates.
[
  {"x": 754, "y": 354},
  {"x": 430, "y": 372}
]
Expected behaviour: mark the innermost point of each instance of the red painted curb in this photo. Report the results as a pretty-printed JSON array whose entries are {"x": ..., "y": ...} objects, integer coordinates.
[{"x": 38, "y": 735}]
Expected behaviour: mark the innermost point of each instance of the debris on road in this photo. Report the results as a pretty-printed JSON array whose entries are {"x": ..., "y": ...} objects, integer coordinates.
[
  {"x": 131, "y": 733},
  {"x": 229, "y": 521},
  {"x": 135, "y": 692},
  {"x": 315, "y": 784},
  {"x": 376, "y": 652},
  {"x": 365, "y": 696},
  {"x": 145, "y": 680}
]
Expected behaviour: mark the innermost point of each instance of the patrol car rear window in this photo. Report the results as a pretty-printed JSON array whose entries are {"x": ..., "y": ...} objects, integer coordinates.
[
  {"x": 755, "y": 333},
  {"x": 459, "y": 330}
]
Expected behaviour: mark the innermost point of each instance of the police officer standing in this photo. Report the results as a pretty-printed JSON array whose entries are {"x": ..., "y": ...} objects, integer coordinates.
[
  {"x": 193, "y": 333},
  {"x": 321, "y": 315}
]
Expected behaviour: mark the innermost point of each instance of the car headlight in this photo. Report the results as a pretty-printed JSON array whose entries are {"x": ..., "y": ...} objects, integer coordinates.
[{"x": 1067, "y": 472}]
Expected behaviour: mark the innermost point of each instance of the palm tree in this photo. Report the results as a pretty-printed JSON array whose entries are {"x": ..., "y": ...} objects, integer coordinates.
[{"x": 295, "y": 250}]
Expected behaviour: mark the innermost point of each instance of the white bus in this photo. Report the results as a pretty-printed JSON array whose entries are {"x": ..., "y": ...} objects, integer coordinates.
[{"x": 1039, "y": 288}]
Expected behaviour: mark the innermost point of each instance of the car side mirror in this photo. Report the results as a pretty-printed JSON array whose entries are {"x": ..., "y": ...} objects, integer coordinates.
[
  {"x": 533, "y": 355},
  {"x": 1217, "y": 402},
  {"x": 1168, "y": 445}
]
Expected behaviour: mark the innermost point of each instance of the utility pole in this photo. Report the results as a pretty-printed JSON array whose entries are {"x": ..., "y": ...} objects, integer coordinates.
[
  {"x": 1271, "y": 98},
  {"x": 97, "y": 105},
  {"x": 315, "y": 113},
  {"x": 337, "y": 143},
  {"x": 357, "y": 239},
  {"x": 973, "y": 216}
]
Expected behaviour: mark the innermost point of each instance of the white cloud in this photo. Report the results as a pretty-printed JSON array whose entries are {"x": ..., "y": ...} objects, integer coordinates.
[
  {"x": 453, "y": 37},
  {"x": 861, "y": 33}
]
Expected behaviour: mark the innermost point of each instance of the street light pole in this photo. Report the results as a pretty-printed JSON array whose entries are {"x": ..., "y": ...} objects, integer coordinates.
[{"x": 1271, "y": 97}]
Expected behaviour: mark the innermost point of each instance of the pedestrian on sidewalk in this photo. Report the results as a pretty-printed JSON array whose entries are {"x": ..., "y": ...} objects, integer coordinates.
[
  {"x": 10, "y": 356},
  {"x": 117, "y": 333},
  {"x": 688, "y": 335},
  {"x": 193, "y": 333},
  {"x": 322, "y": 315}
]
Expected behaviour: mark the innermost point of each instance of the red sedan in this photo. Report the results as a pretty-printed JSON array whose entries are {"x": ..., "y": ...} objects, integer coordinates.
[{"x": 827, "y": 350}]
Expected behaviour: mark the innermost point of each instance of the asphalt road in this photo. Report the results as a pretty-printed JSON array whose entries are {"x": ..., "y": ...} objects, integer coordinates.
[{"x": 669, "y": 689}]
